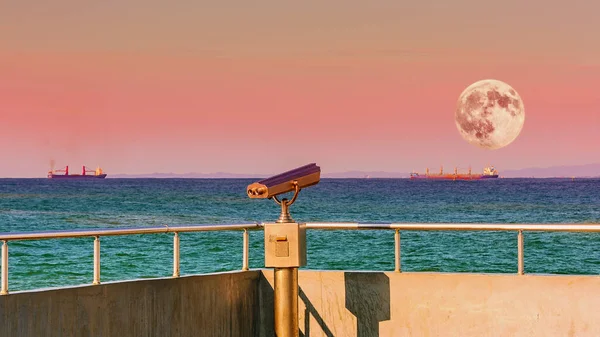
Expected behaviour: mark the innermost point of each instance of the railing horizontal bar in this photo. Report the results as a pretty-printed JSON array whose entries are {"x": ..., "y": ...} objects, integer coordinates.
[
  {"x": 457, "y": 226},
  {"x": 212, "y": 228},
  {"x": 311, "y": 225},
  {"x": 125, "y": 231}
]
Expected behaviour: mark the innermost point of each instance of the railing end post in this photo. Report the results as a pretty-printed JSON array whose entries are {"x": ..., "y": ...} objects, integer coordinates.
[{"x": 4, "y": 287}]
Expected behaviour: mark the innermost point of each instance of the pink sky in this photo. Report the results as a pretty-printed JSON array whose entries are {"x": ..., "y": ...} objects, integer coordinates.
[{"x": 267, "y": 86}]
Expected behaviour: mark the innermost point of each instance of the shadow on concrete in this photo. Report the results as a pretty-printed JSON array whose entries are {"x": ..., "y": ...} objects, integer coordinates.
[
  {"x": 311, "y": 311},
  {"x": 368, "y": 298},
  {"x": 266, "y": 326}
]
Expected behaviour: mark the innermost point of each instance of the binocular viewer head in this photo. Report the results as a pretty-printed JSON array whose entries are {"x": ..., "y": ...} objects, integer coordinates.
[{"x": 297, "y": 178}]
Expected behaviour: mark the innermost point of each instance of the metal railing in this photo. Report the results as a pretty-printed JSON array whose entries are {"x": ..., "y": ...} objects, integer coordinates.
[
  {"x": 396, "y": 227},
  {"x": 96, "y": 234},
  {"x": 519, "y": 228}
]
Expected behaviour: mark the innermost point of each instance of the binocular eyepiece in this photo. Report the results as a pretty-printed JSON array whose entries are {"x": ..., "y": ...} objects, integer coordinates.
[{"x": 297, "y": 178}]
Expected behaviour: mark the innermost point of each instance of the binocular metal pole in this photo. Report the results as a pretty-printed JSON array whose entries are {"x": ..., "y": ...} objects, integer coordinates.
[
  {"x": 286, "y": 302},
  {"x": 286, "y": 286},
  {"x": 285, "y": 243}
]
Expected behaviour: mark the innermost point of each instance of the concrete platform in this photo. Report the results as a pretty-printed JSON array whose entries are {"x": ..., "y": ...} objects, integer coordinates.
[{"x": 332, "y": 303}]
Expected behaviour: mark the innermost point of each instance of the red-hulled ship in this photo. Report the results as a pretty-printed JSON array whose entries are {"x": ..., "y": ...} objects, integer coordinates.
[
  {"x": 488, "y": 173},
  {"x": 95, "y": 174}
]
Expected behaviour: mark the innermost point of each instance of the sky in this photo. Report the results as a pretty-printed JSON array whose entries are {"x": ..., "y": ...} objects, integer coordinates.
[{"x": 260, "y": 87}]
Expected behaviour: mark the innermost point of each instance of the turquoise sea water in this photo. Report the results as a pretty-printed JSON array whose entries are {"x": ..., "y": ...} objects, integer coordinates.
[{"x": 42, "y": 205}]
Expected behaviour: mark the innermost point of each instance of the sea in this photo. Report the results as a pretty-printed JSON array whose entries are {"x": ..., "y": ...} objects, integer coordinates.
[{"x": 35, "y": 205}]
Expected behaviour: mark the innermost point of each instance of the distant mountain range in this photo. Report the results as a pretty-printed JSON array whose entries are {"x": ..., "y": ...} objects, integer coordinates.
[
  {"x": 581, "y": 171},
  {"x": 215, "y": 175}
]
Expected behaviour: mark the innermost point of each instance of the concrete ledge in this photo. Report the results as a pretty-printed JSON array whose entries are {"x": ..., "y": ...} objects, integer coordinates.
[
  {"x": 332, "y": 303},
  {"x": 221, "y": 304},
  {"x": 338, "y": 303}
]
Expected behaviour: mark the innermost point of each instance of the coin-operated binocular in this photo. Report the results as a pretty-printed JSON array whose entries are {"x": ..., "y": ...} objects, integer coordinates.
[
  {"x": 293, "y": 180},
  {"x": 285, "y": 242}
]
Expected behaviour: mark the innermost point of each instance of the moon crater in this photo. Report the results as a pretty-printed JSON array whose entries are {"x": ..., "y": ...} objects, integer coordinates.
[{"x": 490, "y": 114}]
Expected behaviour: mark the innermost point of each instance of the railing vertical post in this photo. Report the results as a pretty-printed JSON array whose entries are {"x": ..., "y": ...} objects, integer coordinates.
[
  {"x": 520, "y": 252},
  {"x": 96, "y": 260},
  {"x": 397, "y": 250},
  {"x": 246, "y": 250},
  {"x": 4, "y": 289},
  {"x": 176, "y": 255}
]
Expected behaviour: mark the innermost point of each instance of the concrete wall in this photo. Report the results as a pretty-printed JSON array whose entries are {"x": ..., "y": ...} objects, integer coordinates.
[
  {"x": 332, "y": 303},
  {"x": 426, "y": 304},
  {"x": 224, "y": 304}
]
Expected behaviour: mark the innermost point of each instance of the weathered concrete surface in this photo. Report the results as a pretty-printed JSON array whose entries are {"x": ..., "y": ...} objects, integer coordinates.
[
  {"x": 224, "y": 304},
  {"x": 332, "y": 303},
  {"x": 337, "y": 303}
]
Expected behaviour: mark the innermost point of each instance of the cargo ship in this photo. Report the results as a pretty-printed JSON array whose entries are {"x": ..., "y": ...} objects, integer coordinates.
[
  {"x": 85, "y": 174},
  {"x": 488, "y": 173}
]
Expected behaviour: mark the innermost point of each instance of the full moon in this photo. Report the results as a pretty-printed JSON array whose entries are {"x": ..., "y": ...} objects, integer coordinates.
[{"x": 489, "y": 114}]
